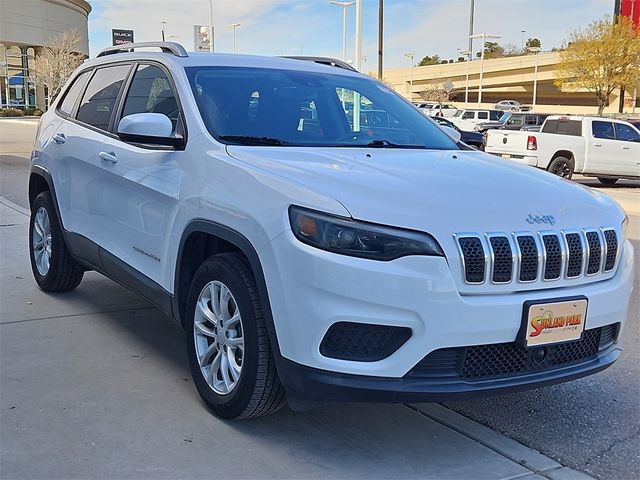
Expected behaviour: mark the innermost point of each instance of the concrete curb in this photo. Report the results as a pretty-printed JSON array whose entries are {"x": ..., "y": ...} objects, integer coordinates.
[
  {"x": 540, "y": 465},
  {"x": 14, "y": 206}
]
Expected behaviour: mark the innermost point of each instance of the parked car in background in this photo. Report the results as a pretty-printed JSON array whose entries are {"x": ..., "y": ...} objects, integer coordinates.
[
  {"x": 593, "y": 146},
  {"x": 437, "y": 110},
  {"x": 508, "y": 106},
  {"x": 473, "y": 139},
  {"x": 514, "y": 121},
  {"x": 469, "y": 118}
]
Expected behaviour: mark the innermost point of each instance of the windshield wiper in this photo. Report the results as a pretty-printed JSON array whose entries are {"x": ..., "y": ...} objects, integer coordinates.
[
  {"x": 253, "y": 140},
  {"x": 388, "y": 144}
]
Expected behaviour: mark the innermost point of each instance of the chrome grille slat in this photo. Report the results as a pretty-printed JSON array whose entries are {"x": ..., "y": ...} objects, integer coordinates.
[{"x": 525, "y": 257}]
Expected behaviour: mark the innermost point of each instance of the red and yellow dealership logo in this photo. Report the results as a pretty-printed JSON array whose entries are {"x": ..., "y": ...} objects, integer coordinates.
[{"x": 547, "y": 321}]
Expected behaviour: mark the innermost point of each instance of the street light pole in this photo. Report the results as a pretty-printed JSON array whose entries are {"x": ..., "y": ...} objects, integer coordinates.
[
  {"x": 211, "y": 26},
  {"x": 467, "y": 54},
  {"x": 356, "y": 95},
  {"x": 484, "y": 37},
  {"x": 344, "y": 6},
  {"x": 380, "y": 27},
  {"x": 536, "y": 51},
  {"x": 522, "y": 32},
  {"x": 410, "y": 57},
  {"x": 233, "y": 27}
]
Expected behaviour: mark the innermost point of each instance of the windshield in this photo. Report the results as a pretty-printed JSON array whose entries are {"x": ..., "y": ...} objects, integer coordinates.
[{"x": 259, "y": 106}]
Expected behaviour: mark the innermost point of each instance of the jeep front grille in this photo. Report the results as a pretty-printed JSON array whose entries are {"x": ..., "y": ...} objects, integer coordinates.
[{"x": 528, "y": 257}]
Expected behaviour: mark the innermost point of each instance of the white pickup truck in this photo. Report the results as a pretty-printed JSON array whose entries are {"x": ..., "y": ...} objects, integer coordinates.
[{"x": 601, "y": 147}]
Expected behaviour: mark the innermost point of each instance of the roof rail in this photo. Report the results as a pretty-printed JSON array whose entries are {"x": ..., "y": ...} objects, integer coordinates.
[
  {"x": 332, "y": 62},
  {"x": 166, "y": 47}
]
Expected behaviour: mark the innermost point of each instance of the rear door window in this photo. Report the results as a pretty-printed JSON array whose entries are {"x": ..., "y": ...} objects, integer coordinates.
[
  {"x": 603, "y": 130},
  {"x": 71, "y": 97},
  {"x": 626, "y": 134},
  {"x": 483, "y": 115},
  {"x": 99, "y": 99}
]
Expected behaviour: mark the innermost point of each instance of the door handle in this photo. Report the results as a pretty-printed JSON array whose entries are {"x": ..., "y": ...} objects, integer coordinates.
[
  {"x": 59, "y": 138},
  {"x": 109, "y": 157},
  {"x": 597, "y": 144},
  {"x": 625, "y": 147}
]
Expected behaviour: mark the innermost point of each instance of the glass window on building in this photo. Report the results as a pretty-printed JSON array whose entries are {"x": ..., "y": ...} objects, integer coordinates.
[{"x": 16, "y": 89}]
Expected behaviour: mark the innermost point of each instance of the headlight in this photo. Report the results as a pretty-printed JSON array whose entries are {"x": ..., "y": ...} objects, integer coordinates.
[{"x": 359, "y": 239}]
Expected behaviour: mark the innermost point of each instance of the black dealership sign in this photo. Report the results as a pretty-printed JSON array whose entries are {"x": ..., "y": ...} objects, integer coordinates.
[{"x": 119, "y": 37}]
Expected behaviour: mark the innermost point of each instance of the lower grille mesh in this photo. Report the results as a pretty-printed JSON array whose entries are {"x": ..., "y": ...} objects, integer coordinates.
[
  {"x": 481, "y": 362},
  {"x": 362, "y": 342}
]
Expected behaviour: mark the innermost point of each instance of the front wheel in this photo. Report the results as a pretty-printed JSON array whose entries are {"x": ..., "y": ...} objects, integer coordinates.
[
  {"x": 562, "y": 167},
  {"x": 607, "y": 181},
  {"x": 51, "y": 263},
  {"x": 227, "y": 341}
]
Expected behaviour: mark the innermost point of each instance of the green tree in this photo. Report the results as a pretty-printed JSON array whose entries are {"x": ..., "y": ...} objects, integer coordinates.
[
  {"x": 601, "y": 57},
  {"x": 429, "y": 60},
  {"x": 533, "y": 42}
]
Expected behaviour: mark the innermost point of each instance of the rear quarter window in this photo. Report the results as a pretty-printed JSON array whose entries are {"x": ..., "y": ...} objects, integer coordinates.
[
  {"x": 563, "y": 127},
  {"x": 73, "y": 92}
]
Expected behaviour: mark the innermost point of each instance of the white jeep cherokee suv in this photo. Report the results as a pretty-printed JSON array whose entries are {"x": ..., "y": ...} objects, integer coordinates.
[{"x": 307, "y": 249}]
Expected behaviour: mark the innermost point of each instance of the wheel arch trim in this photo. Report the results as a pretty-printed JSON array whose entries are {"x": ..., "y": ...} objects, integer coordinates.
[{"x": 245, "y": 246}]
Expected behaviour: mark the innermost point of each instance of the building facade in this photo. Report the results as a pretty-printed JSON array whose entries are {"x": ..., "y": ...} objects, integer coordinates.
[
  {"x": 509, "y": 78},
  {"x": 25, "y": 27}
]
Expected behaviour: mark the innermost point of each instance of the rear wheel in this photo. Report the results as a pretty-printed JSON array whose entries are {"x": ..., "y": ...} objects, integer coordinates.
[
  {"x": 227, "y": 341},
  {"x": 607, "y": 181},
  {"x": 51, "y": 263},
  {"x": 562, "y": 167}
]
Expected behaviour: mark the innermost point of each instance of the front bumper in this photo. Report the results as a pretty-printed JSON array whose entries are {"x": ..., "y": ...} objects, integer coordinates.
[
  {"x": 307, "y": 383},
  {"x": 310, "y": 290}
]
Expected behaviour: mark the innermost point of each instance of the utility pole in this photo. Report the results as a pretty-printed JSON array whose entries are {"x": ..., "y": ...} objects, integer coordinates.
[
  {"x": 211, "y": 26},
  {"x": 380, "y": 27},
  {"x": 467, "y": 54}
]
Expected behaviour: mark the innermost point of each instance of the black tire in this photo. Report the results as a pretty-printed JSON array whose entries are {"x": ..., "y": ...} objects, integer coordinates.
[
  {"x": 64, "y": 273},
  {"x": 259, "y": 391},
  {"x": 562, "y": 167},
  {"x": 607, "y": 181}
]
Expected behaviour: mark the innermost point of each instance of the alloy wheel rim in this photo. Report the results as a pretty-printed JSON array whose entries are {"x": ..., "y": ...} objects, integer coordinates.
[
  {"x": 219, "y": 337},
  {"x": 41, "y": 241},
  {"x": 562, "y": 170}
]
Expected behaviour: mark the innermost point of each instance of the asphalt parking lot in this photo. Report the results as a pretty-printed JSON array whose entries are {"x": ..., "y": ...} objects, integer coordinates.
[{"x": 95, "y": 384}]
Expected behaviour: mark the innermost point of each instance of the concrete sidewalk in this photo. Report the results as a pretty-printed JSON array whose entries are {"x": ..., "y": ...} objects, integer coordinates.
[{"x": 94, "y": 384}]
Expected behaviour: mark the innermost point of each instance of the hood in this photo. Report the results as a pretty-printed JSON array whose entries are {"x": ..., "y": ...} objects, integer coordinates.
[{"x": 440, "y": 192}]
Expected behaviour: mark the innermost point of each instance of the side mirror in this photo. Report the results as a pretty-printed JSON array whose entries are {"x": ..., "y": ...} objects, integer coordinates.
[
  {"x": 453, "y": 134},
  {"x": 153, "y": 128}
]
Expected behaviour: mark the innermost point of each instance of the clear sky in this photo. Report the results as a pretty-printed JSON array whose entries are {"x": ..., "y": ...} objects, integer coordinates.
[{"x": 314, "y": 27}]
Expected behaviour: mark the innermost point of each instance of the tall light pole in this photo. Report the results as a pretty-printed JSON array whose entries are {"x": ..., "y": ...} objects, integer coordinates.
[
  {"x": 380, "y": 28},
  {"x": 466, "y": 53},
  {"x": 410, "y": 57},
  {"x": 211, "y": 26},
  {"x": 364, "y": 63},
  {"x": 233, "y": 27},
  {"x": 356, "y": 95},
  {"x": 536, "y": 51},
  {"x": 344, "y": 6},
  {"x": 522, "y": 32},
  {"x": 484, "y": 37},
  {"x": 471, "y": 14}
]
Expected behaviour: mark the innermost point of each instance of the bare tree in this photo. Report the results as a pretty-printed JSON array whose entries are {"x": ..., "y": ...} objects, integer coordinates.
[{"x": 59, "y": 58}]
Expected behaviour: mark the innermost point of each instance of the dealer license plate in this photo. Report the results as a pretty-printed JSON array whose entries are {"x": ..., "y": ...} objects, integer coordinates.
[{"x": 555, "y": 322}]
